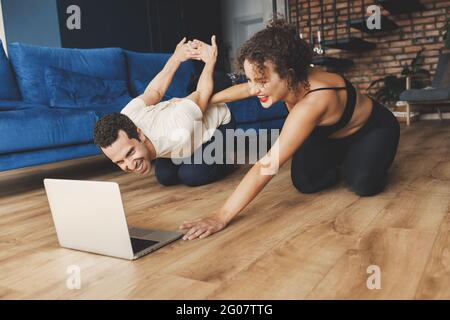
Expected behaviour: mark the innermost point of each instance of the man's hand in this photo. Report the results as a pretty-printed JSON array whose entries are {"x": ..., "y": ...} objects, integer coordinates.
[
  {"x": 184, "y": 51},
  {"x": 203, "y": 227},
  {"x": 205, "y": 52}
]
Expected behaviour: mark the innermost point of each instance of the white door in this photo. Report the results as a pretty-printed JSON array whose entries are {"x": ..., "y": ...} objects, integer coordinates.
[{"x": 246, "y": 27}]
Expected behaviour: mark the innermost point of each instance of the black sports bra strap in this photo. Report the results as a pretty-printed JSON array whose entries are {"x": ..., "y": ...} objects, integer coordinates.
[
  {"x": 346, "y": 115},
  {"x": 330, "y": 88}
]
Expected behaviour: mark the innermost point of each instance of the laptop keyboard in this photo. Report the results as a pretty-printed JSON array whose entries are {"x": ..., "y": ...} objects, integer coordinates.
[{"x": 139, "y": 244}]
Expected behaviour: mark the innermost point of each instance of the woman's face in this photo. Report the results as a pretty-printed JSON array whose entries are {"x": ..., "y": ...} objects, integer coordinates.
[{"x": 269, "y": 88}]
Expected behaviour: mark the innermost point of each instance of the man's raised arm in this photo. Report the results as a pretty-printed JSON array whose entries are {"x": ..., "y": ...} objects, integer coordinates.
[
  {"x": 205, "y": 85},
  {"x": 158, "y": 86}
]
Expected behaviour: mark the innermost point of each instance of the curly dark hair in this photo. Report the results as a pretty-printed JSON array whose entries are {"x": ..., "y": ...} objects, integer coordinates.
[
  {"x": 107, "y": 129},
  {"x": 279, "y": 43}
]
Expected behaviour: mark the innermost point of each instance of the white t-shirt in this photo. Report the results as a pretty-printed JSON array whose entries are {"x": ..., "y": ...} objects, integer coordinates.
[{"x": 176, "y": 127}]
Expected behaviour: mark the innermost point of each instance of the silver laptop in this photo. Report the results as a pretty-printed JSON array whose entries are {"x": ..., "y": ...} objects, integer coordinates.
[{"x": 89, "y": 216}]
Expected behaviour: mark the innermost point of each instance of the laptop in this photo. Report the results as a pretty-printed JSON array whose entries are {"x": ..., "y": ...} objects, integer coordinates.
[{"x": 89, "y": 216}]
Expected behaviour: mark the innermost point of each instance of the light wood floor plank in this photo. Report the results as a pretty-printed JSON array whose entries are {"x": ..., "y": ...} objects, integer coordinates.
[
  {"x": 435, "y": 283},
  {"x": 401, "y": 256}
]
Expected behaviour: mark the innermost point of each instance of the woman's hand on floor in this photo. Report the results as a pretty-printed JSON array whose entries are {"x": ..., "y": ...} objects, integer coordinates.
[{"x": 203, "y": 227}]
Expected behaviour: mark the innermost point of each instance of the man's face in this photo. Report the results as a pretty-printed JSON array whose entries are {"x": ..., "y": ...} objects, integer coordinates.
[{"x": 130, "y": 155}]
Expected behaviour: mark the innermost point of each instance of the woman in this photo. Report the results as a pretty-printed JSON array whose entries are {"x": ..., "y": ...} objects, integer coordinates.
[{"x": 330, "y": 124}]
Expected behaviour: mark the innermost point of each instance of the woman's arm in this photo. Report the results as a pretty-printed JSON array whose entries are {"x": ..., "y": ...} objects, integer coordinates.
[
  {"x": 159, "y": 85},
  {"x": 234, "y": 93},
  {"x": 298, "y": 126}
]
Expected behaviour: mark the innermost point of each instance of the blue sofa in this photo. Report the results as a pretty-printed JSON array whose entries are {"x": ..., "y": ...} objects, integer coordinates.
[{"x": 50, "y": 99}]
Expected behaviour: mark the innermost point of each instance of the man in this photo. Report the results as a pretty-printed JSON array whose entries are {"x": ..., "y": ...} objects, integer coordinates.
[{"x": 147, "y": 129}]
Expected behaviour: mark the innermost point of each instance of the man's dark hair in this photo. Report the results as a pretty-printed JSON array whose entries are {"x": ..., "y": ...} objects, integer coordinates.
[{"x": 107, "y": 129}]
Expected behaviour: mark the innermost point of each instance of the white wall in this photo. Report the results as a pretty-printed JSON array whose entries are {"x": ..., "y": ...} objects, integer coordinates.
[
  {"x": 242, "y": 18},
  {"x": 2, "y": 28}
]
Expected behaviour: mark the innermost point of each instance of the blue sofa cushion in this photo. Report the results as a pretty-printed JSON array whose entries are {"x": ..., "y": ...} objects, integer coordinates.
[
  {"x": 39, "y": 128},
  {"x": 250, "y": 110},
  {"x": 29, "y": 63},
  {"x": 8, "y": 85},
  {"x": 30, "y": 158},
  {"x": 73, "y": 90},
  {"x": 6, "y": 105},
  {"x": 143, "y": 67},
  {"x": 102, "y": 111}
]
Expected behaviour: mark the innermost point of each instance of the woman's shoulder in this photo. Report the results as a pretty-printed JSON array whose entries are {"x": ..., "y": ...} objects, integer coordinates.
[
  {"x": 321, "y": 101},
  {"x": 319, "y": 78}
]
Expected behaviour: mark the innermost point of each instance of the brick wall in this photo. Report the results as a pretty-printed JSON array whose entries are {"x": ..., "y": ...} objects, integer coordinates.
[{"x": 416, "y": 31}]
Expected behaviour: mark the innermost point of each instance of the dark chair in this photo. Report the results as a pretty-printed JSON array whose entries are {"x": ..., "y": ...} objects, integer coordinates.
[{"x": 438, "y": 95}]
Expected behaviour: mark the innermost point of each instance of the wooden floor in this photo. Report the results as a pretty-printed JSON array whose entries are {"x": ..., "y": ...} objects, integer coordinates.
[{"x": 285, "y": 245}]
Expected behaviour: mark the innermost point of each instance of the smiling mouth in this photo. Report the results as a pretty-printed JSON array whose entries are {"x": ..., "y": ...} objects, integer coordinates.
[
  {"x": 140, "y": 168},
  {"x": 263, "y": 99}
]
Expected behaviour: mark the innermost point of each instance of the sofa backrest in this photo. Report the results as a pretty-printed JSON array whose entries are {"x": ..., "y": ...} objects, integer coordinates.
[
  {"x": 29, "y": 63},
  {"x": 143, "y": 67},
  {"x": 442, "y": 76},
  {"x": 8, "y": 85}
]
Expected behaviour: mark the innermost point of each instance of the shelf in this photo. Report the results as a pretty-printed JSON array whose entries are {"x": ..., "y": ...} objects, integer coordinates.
[
  {"x": 361, "y": 24},
  {"x": 349, "y": 44},
  {"x": 335, "y": 63},
  {"x": 401, "y": 6}
]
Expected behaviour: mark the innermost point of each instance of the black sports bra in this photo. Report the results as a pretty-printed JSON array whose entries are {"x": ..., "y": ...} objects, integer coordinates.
[{"x": 346, "y": 115}]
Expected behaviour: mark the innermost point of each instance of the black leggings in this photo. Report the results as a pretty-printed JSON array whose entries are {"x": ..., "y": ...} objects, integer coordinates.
[{"x": 365, "y": 157}]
